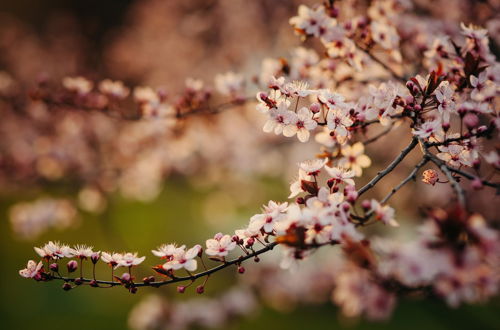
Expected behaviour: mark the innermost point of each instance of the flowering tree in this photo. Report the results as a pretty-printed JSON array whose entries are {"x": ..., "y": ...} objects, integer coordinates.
[{"x": 440, "y": 97}]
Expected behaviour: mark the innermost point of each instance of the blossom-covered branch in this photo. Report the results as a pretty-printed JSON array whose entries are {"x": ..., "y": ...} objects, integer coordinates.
[{"x": 448, "y": 110}]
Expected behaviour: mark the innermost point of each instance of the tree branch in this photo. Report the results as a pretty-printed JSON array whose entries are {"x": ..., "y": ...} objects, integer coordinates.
[
  {"x": 411, "y": 176},
  {"x": 389, "y": 168}
]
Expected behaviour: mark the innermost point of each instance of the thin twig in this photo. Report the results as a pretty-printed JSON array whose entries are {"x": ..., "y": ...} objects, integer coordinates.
[
  {"x": 453, "y": 181},
  {"x": 389, "y": 168},
  {"x": 411, "y": 176},
  {"x": 379, "y": 135},
  {"x": 385, "y": 66}
]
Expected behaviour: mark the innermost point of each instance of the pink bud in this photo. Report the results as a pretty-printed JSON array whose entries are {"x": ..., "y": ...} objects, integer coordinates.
[
  {"x": 477, "y": 184},
  {"x": 300, "y": 200},
  {"x": 95, "y": 257},
  {"x": 66, "y": 286},
  {"x": 250, "y": 241},
  {"x": 346, "y": 207},
  {"x": 482, "y": 128},
  {"x": 241, "y": 269},
  {"x": 445, "y": 126},
  {"x": 133, "y": 290},
  {"x": 315, "y": 107},
  {"x": 366, "y": 204},
  {"x": 200, "y": 289},
  {"x": 476, "y": 163},
  {"x": 78, "y": 281},
  {"x": 125, "y": 277},
  {"x": 181, "y": 289},
  {"x": 54, "y": 267},
  {"x": 72, "y": 266},
  {"x": 94, "y": 284},
  {"x": 471, "y": 120},
  {"x": 256, "y": 259}
]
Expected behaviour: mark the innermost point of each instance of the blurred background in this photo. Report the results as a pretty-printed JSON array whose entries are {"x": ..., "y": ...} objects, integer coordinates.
[{"x": 161, "y": 43}]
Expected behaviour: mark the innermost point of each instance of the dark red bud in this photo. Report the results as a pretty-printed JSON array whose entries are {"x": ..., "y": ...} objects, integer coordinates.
[
  {"x": 72, "y": 265},
  {"x": 54, "y": 267}
]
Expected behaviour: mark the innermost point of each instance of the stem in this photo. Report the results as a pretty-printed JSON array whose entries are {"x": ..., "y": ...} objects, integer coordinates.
[
  {"x": 389, "y": 168},
  {"x": 411, "y": 176}
]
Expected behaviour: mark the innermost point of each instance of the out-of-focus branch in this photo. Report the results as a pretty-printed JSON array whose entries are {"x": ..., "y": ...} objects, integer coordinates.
[{"x": 393, "y": 73}]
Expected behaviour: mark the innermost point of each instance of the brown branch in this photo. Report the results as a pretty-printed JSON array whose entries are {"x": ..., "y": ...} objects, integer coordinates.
[
  {"x": 453, "y": 181},
  {"x": 385, "y": 66},
  {"x": 193, "y": 277},
  {"x": 411, "y": 176},
  {"x": 389, "y": 168},
  {"x": 378, "y": 136}
]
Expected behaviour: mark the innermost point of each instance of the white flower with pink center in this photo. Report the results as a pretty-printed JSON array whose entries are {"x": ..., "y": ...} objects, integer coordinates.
[{"x": 220, "y": 245}]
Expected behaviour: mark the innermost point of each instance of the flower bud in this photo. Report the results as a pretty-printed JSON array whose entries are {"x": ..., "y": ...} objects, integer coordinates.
[
  {"x": 430, "y": 177},
  {"x": 346, "y": 207},
  {"x": 256, "y": 259},
  {"x": 330, "y": 183},
  {"x": 181, "y": 289},
  {"x": 366, "y": 204},
  {"x": 300, "y": 200},
  {"x": 200, "y": 289},
  {"x": 125, "y": 277},
  {"x": 72, "y": 265},
  {"x": 471, "y": 120},
  {"x": 315, "y": 107},
  {"x": 94, "y": 284},
  {"x": 133, "y": 290},
  {"x": 95, "y": 257},
  {"x": 445, "y": 126},
  {"x": 78, "y": 281},
  {"x": 476, "y": 163},
  {"x": 263, "y": 96},
  {"x": 482, "y": 128},
  {"x": 241, "y": 269},
  {"x": 66, "y": 286},
  {"x": 250, "y": 241},
  {"x": 54, "y": 267},
  {"x": 417, "y": 107},
  {"x": 477, "y": 184}
]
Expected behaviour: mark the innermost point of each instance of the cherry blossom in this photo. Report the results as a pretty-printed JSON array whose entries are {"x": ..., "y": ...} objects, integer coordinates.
[
  {"x": 300, "y": 124},
  {"x": 184, "y": 259},
  {"x": 129, "y": 259},
  {"x": 354, "y": 158},
  {"x": 31, "y": 270},
  {"x": 78, "y": 85},
  {"x": 220, "y": 245},
  {"x": 383, "y": 213},
  {"x": 167, "y": 251}
]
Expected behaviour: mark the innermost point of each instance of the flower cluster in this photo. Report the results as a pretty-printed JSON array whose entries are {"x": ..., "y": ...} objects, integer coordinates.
[{"x": 446, "y": 110}]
